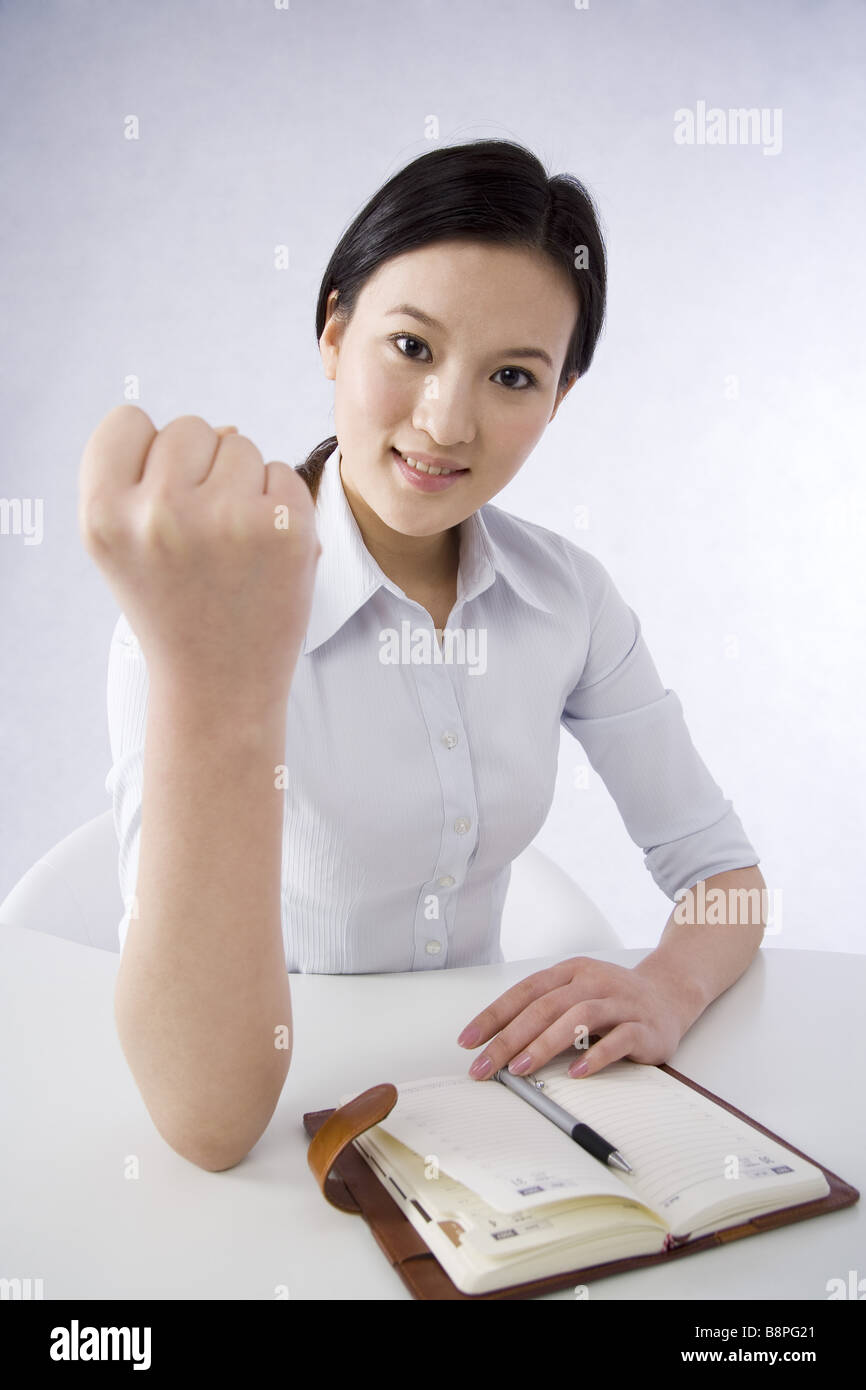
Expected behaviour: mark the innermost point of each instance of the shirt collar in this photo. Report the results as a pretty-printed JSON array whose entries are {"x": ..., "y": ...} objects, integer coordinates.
[{"x": 347, "y": 575}]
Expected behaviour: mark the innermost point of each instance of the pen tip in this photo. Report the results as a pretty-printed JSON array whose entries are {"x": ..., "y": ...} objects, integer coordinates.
[{"x": 617, "y": 1161}]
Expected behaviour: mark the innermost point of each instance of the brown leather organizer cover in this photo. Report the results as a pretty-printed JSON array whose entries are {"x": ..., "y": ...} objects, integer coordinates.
[{"x": 348, "y": 1182}]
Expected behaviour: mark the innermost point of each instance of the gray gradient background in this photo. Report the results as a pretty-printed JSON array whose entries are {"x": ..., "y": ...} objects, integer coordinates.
[{"x": 717, "y": 518}]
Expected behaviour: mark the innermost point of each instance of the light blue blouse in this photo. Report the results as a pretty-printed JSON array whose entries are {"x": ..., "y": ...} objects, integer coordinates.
[{"x": 417, "y": 771}]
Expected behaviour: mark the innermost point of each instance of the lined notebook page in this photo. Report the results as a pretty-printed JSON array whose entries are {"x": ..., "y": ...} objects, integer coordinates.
[
  {"x": 498, "y": 1235},
  {"x": 489, "y": 1139},
  {"x": 679, "y": 1143}
]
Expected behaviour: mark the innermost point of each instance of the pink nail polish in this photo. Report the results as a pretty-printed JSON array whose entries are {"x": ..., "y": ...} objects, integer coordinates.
[
  {"x": 578, "y": 1071},
  {"x": 469, "y": 1037},
  {"x": 522, "y": 1064},
  {"x": 480, "y": 1067}
]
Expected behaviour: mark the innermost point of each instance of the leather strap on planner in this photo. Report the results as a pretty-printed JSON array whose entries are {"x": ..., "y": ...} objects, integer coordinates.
[{"x": 338, "y": 1131}]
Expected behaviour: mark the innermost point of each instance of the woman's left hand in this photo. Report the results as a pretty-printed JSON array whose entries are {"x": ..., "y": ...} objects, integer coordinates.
[{"x": 637, "y": 1013}]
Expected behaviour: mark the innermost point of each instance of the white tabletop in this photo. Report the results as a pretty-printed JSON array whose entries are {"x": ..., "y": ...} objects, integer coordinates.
[{"x": 785, "y": 1044}]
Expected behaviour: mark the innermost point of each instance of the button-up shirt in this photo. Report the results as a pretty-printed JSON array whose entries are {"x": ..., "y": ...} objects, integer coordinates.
[{"x": 418, "y": 766}]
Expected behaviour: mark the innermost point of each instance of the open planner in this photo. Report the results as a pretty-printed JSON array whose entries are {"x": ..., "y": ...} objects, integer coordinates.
[{"x": 506, "y": 1202}]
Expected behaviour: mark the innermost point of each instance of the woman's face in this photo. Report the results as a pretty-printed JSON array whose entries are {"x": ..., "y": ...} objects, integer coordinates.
[{"x": 464, "y": 390}]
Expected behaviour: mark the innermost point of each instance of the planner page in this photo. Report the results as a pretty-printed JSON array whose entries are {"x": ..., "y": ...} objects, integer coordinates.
[
  {"x": 496, "y": 1235},
  {"x": 691, "y": 1158},
  {"x": 493, "y": 1142}
]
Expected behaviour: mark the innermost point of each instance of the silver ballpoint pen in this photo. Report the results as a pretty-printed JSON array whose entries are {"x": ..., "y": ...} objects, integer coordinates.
[{"x": 530, "y": 1089}]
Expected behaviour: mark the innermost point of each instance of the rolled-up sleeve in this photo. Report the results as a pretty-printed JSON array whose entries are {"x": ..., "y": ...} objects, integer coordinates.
[
  {"x": 635, "y": 737},
  {"x": 127, "y": 687}
]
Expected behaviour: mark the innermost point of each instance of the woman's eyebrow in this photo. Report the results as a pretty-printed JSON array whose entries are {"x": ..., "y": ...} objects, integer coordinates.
[{"x": 429, "y": 322}]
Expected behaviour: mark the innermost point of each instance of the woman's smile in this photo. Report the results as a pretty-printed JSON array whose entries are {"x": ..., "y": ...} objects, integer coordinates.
[{"x": 424, "y": 481}]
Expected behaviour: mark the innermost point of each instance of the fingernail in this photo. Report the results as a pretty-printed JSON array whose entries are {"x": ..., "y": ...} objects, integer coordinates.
[
  {"x": 522, "y": 1064},
  {"x": 469, "y": 1037},
  {"x": 578, "y": 1071},
  {"x": 480, "y": 1067}
]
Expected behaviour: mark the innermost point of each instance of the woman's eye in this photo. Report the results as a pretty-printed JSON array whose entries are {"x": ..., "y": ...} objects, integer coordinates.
[
  {"x": 407, "y": 338},
  {"x": 530, "y": 379}
]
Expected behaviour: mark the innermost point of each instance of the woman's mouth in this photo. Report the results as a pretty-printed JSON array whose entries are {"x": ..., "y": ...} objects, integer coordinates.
[{"x": 419, "y": 476}]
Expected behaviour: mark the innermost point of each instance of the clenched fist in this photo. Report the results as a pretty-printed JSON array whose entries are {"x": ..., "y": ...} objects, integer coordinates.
[{"x": 210, "y": 552}]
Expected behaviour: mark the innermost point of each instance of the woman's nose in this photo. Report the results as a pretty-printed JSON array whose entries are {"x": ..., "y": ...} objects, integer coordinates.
[{"x": 446, "y": 412}]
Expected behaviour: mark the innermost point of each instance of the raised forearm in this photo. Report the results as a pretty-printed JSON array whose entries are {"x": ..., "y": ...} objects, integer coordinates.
[
  {"x": 710, "y": 939},
  {"x": 202, "y": 984}
]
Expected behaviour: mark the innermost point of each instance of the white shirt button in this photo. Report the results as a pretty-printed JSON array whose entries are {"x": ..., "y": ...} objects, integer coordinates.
[
  {"x": 449, "y": 739},
  {"x": 433, "y": 948},
  {"x": 462, "y": 825},
  {"x": 446, "y": 882}
]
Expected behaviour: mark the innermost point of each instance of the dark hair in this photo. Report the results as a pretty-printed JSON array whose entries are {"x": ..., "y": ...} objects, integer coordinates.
[{"x": 491, "y": 190}]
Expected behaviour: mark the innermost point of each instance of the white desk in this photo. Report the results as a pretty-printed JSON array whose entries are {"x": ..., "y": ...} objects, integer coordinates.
[{"x": 785, "y": 1044}]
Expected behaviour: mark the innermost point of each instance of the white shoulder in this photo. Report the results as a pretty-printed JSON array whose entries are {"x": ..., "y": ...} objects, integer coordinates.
[{"x": 553, "y": 555}]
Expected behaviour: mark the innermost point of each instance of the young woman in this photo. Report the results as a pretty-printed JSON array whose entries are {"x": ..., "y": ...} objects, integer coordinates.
[{"x": 351, "y": 676}]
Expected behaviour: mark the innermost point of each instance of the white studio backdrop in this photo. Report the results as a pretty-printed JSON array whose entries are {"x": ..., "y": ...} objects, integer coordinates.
[{"x": 712, "y": 458}]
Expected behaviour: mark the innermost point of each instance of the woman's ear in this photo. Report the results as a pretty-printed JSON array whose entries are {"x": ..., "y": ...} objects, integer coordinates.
[
  {"x": 562, "y": 393},
  {"x": 332, "y": 334}
]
